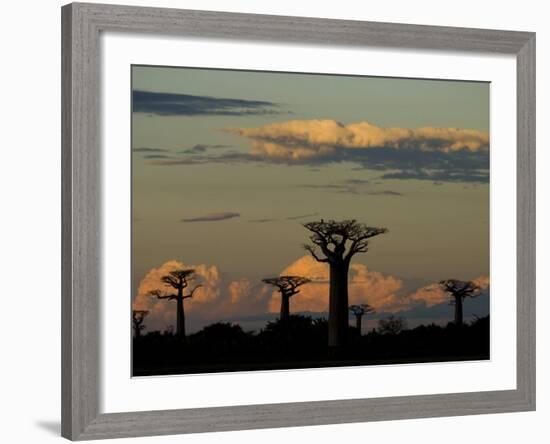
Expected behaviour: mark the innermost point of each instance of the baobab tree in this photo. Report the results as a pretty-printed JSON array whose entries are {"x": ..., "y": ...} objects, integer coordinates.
[
  {"x": 392, "y": 325},
  {"x": 138, "y": 316},
  {"x": 338, "y": 242},
  {"x": 459, "y": 290},
  {"x": 179, "y": 281},
  {"x": 358, "y": 311},
  {"x": 288, "y": 287}
]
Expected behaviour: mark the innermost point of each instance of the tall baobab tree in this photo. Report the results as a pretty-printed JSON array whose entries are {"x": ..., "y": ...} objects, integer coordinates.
[
  {"x": 179, "y": 281},
  {"x": 459, "y": 290},
  {"x": 358, "y": 311},
  {"x": 288, "y": 287},
  {"x": 338, "y": 242},
  {"x": 138, "y": 316}
]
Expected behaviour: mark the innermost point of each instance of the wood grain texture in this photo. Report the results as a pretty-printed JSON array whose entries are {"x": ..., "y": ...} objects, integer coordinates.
[
  {"x": 119, "y": 425},
  {"x": 230, "y": 25},
  {"x": 526, "y": 219},
  {"x": 81, "y": 231},
  {"x": 81, "y": 222}
]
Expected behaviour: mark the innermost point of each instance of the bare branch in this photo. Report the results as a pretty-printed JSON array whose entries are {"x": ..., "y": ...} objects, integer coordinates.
[
  {"x": 360, "y": 238},
  {"x": 159, "y": 295},
  {"x": 170, "y": 280},
  {"x": 190, "y": 295},
  {"x": 311, "y": 249}
]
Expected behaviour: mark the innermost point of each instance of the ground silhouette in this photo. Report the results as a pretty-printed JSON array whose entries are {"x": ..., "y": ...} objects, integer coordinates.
[{"x": 301, "y": 342}]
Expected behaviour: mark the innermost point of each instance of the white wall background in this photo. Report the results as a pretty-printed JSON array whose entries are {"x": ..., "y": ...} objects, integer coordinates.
[{"x": 30, "y": 221}]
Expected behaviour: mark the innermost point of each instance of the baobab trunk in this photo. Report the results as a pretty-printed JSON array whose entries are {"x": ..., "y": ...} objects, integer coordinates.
[
  {"x": 458, "y": 311},
  {"x": 285, "y": 307},
  {"x": 358, "y": 318},
  {"x": 180, "y": 321},
  {"x": 338, "y": 306}
]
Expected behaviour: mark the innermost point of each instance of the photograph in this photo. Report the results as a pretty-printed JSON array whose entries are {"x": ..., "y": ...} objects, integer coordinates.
[{"x": 288, "y": 220}]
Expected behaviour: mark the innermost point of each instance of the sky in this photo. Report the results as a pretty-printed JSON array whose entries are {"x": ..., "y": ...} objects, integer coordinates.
[{"x": 228, "y": 165}]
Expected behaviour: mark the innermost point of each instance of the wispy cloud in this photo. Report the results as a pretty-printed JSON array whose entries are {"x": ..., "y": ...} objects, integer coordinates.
[
  {"x": 212, "y": 217},
  {"x": 333, "y": 188},
  {"x": 357, "y": 181},
  {"x": 351, "y": 186},
  {"x": 439, "y": 176},
  {"x": 157, "y": 156},
  {"x": 301, "y": 216},
  {"x": 201, "y": 148},
  {"x": 226, "y": 158},
  {"x": 170, "y": 104},
  {"x": 384, "y": 193},
  {"x": 148, "y": 150},
  {"x": 262, "y": 221}
]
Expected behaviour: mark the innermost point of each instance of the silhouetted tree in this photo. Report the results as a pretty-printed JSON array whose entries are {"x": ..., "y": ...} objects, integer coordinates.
[
  {"x": 358, "y": 311},
  {"x": 339, "y": 242},
  {"x": 178, "y": 280},
  {"x": 391, "y": 325},
  {"x": 459, "y": 290},
  {"x": 288, "y": 287},
  {"x": 138, "y": 316}
]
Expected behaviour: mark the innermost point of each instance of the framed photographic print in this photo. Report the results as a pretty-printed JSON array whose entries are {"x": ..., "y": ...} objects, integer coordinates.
[
  {"x": 265, "y": 212},
  {"x": 254, "y": 208}
]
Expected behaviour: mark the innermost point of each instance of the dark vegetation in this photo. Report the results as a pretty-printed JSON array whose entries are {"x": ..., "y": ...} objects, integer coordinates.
[
  {"x": 296, "y": 341},
  {"x": 301, "y": 342}
]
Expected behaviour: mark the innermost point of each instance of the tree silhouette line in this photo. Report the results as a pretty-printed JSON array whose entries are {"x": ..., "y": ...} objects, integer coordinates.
[
  {"x": 300, "y": 341},
  {"x": 334, "y": 243}
]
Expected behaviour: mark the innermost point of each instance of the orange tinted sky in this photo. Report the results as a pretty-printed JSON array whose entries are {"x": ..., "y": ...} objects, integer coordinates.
[{"x": 227, "y": 165}]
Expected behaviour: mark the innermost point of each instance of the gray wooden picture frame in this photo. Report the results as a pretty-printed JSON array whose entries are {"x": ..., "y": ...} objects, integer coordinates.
[{"x": 81, "y": 171}]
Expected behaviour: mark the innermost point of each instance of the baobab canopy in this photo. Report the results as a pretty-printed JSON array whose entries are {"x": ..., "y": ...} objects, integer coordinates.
[
  {"x": 339, "y": 240},
  {"x": 460, "y": 288},
  {"x": 287, "y": 284}
]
